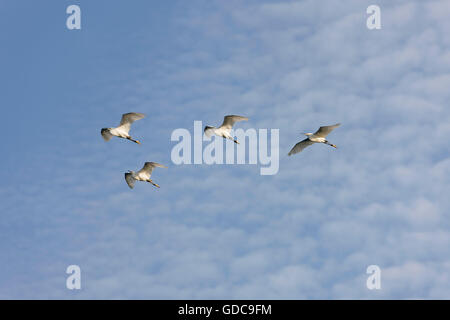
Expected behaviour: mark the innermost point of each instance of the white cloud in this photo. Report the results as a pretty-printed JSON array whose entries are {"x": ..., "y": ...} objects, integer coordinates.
[{"x": 308, "y": 232}]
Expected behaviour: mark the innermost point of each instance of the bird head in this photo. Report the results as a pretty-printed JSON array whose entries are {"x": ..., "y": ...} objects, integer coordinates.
[{"x": 105, "y": 129}]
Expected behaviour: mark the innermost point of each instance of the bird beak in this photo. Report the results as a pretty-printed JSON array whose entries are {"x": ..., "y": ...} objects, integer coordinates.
[
  {"x": 334, "y": 146},
  {"x": 138, "y": 142}
]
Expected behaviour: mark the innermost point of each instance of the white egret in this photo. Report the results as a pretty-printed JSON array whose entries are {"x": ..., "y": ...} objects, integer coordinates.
[
  {"x": 318, "y": 137},
  {"x": 124, "y": 127},
  {"x": 225, "y": 129},
  {"x": 142, "y": 175}
]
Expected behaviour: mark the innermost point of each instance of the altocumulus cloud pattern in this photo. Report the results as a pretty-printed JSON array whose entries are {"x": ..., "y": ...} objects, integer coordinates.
[{"x": 225, "y": 231}]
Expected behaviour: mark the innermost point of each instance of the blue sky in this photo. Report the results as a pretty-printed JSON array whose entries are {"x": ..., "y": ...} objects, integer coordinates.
[{"x": 225, "y": 231}]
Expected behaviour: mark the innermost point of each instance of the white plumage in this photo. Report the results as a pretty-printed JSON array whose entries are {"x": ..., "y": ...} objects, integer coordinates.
[
  {"x": 142, "y": 175},
  {"x": 225, "y": 129},
  {"x": 122, "y": 131},
  {"x": 318, "y": 137}
]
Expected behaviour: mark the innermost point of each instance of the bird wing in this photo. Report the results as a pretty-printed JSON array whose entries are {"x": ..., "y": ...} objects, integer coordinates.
[
  {"x": 300, "y": 146},
  {"x": 128, "y": 119},
  {"x": 209, "y": 131},
  {"x": 130, "y": 180},
  {"x": 325, "y": 130},
  {"x": 149, "y": 166},
  {"x": 229, "y": 121},
  {"x": 106, "y": 135}
]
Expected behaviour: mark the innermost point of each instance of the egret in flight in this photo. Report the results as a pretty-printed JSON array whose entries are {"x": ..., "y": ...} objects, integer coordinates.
[
  {"x": 224, "y": 130},
  {"x": 142, "y": 175},
  {"x": 318, "y": 137},
  {"x": 124, "y": 127}
]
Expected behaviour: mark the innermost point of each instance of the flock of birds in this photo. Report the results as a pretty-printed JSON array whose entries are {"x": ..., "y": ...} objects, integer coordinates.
[{"x": 224, "y": 131}]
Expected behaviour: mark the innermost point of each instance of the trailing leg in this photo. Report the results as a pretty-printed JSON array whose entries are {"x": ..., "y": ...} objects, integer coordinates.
[{"x": 156, "y": 185}]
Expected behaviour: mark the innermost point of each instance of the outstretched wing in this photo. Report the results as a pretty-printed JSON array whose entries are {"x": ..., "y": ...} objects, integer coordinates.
[
  {"x": 130, "y": 180},
  {"x": 300, "y": 146},
  {"x": 325, "y": 130},
  {"x": 128, "y": 119},
  {"x": 229, "y": 121},
  {"x": 209, "y": 131},
  {"x": 106, "y": 134},
  {"x": 149, "y": 166},
  {"x": 131, "y": 117}
]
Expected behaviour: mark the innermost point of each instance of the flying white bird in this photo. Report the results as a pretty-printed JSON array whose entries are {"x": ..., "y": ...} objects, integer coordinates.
[
  {"x": 124, "y": 127},
  {"x": 225, "y": 129},
  {"x": 317, "y": 137},
  {"x": 142, "y": 175}
]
